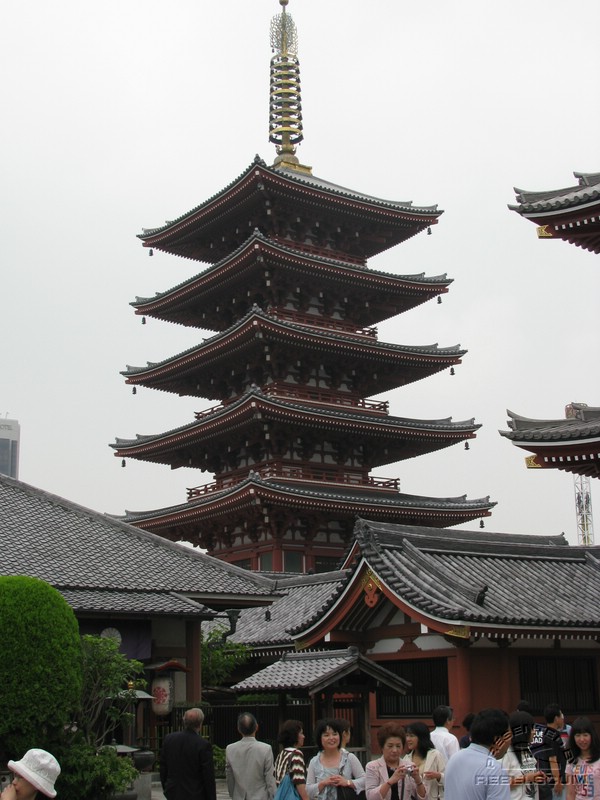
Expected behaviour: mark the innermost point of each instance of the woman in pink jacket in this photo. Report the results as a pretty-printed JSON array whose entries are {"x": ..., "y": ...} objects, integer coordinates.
[{"x": 388, "y": 777}]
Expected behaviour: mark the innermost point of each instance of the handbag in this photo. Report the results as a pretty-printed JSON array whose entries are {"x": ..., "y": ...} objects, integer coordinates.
[
  {"x": 286, "y": 790},
  {"x": 348, "y": 792}
]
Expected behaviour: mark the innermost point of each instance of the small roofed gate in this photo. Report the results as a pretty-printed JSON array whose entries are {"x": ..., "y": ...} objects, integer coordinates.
[
  {"x": 224, "y": 719},
  {"x": 338, "y": 682}
]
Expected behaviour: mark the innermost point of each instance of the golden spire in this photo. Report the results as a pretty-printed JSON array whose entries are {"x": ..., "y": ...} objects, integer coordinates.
[{"x": 285, "y": 107}]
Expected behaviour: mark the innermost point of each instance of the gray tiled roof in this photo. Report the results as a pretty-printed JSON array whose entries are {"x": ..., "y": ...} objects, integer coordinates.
[
  {"x": 586, "y": 191},
  {"x": 103, "y": 561},
  {"x": 481, "y": 578},
  {"x": 356, "y": 496},
  {"x": 313, "y": 671},
  {"x": 306, "y": 180},
  {"x": 222, "y": 339},
  {"x": 302, "y": 597},
  {"x": 336, "y": 413},
  {"x": 257, "y": 236},
  {"x": 525, "y": 429},
  {"x": 111, "y": 601}
]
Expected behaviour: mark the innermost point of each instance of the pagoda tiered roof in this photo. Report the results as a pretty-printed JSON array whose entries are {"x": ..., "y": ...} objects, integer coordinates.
[
  {"x": 340, "y": 501},
  {"x": 263, "y": 197},
  {"x": 202, "y": 369},
  {"x": 571, "y": 213},
  {"x": 209, "y": 300},
  {"x": 198, "y": 443},
  {"x": 572, "y": 444}
]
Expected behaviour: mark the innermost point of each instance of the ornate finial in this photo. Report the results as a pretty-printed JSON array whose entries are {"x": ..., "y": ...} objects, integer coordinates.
[{"x": 285, "y": 107}]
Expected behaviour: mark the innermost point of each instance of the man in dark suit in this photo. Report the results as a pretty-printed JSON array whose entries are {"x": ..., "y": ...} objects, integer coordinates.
[
  {"x": 249, "y": 764},
  {"x": 187, "y": 770}
]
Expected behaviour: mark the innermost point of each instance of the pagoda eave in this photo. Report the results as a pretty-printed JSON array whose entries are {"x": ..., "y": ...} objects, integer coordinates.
[
  {"x": 313, "y": 499},
  {"x": 380, "y": 366},
  {"x": 227, "y": 426},
  {"x": 196, "y": 302},
  {"x": 262, "y": 196}
]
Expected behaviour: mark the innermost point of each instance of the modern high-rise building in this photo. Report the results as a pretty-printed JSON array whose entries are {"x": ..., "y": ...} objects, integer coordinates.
[{"x": 10, "y": 434}]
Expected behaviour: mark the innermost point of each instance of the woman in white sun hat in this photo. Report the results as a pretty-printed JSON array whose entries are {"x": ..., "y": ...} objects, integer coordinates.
[{"x": 35, "y": 773}]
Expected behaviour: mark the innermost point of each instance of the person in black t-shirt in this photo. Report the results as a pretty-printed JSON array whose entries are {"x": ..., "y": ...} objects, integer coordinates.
[{"x": 551, "y": 756}]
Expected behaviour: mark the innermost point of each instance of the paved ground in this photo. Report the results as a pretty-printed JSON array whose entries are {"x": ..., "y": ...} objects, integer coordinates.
[{"x": 222, "y": 793}]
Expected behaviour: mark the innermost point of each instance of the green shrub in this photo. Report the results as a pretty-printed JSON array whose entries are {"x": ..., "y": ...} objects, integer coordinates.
[
  {"x": 219, "y": 759},
  {"x": 87, "y": 774},
  {"x": 40, "y": 669}
]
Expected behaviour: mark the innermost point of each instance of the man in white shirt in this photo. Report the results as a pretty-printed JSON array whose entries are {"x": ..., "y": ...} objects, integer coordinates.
[{"x": 444, "y": 742}]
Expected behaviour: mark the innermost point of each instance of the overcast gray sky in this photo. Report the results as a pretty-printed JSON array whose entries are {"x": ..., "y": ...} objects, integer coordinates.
[{"x": 122, "y": 114}]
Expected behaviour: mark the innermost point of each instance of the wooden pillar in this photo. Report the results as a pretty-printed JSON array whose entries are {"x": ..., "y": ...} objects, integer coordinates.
[
  {"x": 460, "y": 694},
  {"x": 193, "y": 686},
  {"x": 504, "y": 674},
  {"x": 365, "y": 721}
]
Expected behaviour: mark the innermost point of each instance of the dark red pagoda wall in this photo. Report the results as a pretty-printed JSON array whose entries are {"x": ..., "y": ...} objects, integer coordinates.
[{"x": 292, "y": 550}]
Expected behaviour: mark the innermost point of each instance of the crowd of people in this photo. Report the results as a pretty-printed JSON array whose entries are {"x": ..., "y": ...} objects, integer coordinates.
[{"x": 501, "y": 757}]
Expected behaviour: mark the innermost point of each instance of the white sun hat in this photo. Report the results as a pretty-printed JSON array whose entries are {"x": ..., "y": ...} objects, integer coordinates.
[{"x": 38, "y": 767}]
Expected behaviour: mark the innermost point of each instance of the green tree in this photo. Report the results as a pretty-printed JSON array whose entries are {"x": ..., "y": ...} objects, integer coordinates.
[
  {"x": 110, "y": 680},
  {"x": 40, "y": 669},
  {"x": 91, "y": 770},
  {"x": 220, "y": 657}
]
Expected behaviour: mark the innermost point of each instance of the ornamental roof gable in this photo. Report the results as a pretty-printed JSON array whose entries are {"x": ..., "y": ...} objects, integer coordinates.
[{"x": 486, "y": 581}]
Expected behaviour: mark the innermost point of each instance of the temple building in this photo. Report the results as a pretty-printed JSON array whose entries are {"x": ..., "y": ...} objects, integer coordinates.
[
  {"x": 571, "y": 444},
  {"x": 471, "y": 620},
  {"x": 293, "y": 433},
  {"x": 571, "y": 214}
]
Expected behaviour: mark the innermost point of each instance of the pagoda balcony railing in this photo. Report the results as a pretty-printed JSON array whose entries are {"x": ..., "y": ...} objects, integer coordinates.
[
  {"x": 303, "y": 474},
  {"x": 323, "y": 396},
  {"x": 310, "y": 396},
  {"x": 317, "y": 321},
  {"x": 324, "y": 252}
]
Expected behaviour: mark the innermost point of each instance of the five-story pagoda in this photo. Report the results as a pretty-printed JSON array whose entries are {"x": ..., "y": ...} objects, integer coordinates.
[{"x": 293, "y": 437}]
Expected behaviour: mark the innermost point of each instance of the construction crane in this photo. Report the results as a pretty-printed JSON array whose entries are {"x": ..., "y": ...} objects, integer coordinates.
[{"x": 583, "y": 497}]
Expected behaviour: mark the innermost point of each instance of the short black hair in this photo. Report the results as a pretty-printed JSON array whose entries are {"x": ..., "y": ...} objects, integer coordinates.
[
  {"x": 441, "y": 715},
  {"x": 289, "y": 732},
  {"x": 344, "y": 725},
  {"x": 525, "y": 705},
  {"x": 489, "y": 725},
  {"x": 552, "y": 711},
  {"x": 247, "y": 724},
  {"x": 322, "y": 726},
  {"x": 468, "y": 721}
]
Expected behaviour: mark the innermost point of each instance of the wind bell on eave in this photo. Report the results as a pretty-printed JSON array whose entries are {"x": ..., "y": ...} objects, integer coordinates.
[{"x": 285, "y": 105}]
